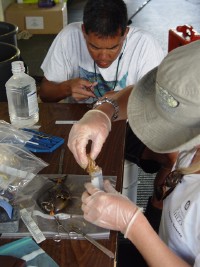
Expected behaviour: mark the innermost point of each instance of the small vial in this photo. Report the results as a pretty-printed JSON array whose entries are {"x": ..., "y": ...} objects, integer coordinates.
[
  {"x": 95, "y": 173},
  {"x": 97, "y": 178}
]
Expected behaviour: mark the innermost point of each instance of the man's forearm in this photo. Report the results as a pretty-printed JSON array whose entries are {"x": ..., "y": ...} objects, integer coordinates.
[{"x": 52, "y": 92}]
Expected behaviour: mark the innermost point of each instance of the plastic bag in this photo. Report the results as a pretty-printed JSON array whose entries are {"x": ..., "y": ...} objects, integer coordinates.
[
  {"x": 11, "y": 135},
  {"x": 17, "y": 168}
]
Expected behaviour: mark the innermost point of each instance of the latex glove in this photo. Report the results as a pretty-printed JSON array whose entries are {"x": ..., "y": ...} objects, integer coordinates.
[
  {"x": 94, "y": 125},
  {"x": 109, "y": 210}
]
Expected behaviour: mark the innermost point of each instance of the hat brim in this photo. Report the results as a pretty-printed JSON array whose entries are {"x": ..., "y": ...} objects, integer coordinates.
[{"x": 155, "y": 131}]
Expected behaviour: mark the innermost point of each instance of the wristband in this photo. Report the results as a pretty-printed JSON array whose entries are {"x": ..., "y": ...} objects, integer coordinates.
[
  {"x": 132, "y": 221},
  {"x": 109, "y": 101}
]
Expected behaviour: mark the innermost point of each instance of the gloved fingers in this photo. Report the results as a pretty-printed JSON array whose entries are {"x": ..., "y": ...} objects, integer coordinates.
[
  {"x": 97, "y": 144},
  {"x": 84, "y": 197},
  {"x": 107, "y": 210},
  {"x": 80, "y": 151},
  {"x": 84, "y": 208},
  {"x": 109, "y": 188},
  {"x": 77, "y": 145},
  {"x": 95, "y": 126},
  {"x": 88, "y": 210},
  {"x": 91, "y": 217},
  {"x": 89, "y": 196},
  {"x": 91, "y": 190},
  {"x": 90, "y": 202},
  {"x": 87, "y": 215}
]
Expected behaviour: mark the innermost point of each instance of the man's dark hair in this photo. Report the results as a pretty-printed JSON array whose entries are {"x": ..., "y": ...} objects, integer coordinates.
[{"x": 105, "y": 17}]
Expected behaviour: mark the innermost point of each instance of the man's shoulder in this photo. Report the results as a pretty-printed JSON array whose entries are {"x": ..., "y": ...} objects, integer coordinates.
[
  {"x": 74, "y": 25},
  {"x": 142, "y": 37},
  {"x": 135, "y": 32},
  {"x": 72, "y": 28}
]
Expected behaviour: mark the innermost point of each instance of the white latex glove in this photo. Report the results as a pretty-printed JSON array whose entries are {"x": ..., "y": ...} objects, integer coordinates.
[
  {"x": 95, "y": 126},
  {"x": 108, "y": 209}
]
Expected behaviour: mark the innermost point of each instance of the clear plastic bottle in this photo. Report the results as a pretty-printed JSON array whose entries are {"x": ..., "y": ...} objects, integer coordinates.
[{"x": 22, "y": 97}]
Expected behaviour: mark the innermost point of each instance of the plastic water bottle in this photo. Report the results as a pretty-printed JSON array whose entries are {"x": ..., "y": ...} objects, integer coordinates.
[{"x": 22, "y": 97}]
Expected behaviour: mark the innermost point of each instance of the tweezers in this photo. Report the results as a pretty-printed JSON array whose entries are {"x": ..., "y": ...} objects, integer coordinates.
[{"x": 109, "y": 253}]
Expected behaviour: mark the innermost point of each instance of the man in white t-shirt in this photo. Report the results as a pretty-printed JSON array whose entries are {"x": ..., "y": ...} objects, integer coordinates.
[{"x": 101, "y": 54}]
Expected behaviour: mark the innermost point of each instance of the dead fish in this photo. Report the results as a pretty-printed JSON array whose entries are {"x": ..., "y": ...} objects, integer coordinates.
[{"x": 55, "y": 199}]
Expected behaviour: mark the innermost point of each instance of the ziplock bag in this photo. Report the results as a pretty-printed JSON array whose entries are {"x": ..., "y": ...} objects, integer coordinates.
[
  {"x": 11, "y": 135},
  {"x": 17, "y": 168}
]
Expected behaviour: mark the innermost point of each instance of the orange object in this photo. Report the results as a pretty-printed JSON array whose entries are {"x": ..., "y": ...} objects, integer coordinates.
[{"x": 182, "y": 35}]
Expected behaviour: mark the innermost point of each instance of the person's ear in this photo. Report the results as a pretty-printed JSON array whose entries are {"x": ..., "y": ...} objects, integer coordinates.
[
  {"x": 83, "y": 29},
  {"x": 126, "y": 32}
]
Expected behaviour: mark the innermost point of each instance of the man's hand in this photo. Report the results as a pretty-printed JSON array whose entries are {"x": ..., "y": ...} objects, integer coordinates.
[{"x": 81, "y": 89}]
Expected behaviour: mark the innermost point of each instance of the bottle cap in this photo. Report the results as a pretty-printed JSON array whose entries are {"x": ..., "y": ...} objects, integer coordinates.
[{"x": 18, "y": 66}]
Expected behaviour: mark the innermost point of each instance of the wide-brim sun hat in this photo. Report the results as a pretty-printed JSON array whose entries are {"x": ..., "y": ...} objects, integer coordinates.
[{"x": 164, "y": 107}]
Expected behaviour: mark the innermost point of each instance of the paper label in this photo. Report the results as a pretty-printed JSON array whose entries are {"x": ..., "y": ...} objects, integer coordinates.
[
  {"x": 32, "y": 226},
  {"x": 34, "y": 23}
]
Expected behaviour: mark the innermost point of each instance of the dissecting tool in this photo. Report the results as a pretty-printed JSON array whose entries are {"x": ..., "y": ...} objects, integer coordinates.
[
  {"x": 94, "y": 242},
  {"x": 73, "y": 234},
  {"x": 42, "y": 142}
]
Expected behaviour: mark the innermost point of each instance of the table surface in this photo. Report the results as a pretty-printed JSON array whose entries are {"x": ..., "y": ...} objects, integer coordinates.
[{"x": 77, "y": 253}]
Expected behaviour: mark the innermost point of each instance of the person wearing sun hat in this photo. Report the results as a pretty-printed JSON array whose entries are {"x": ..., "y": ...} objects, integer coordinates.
[
  {"x": 167, "y": 100},
  {"x": 164, "y": 112}
]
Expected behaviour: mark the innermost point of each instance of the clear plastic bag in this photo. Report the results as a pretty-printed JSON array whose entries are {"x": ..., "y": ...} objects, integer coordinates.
[
  {"x": 17, "y": 168},
  {"x": 11, "y": 135}
]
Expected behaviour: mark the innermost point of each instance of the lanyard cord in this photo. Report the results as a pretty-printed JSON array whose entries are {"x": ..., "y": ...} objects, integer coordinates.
[{"x": 116, "y": 74}]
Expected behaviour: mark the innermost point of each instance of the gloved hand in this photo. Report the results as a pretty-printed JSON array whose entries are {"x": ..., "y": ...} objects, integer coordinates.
[
  {"x": 108, "y": 209},
  {"x": 94, "y": 125}
]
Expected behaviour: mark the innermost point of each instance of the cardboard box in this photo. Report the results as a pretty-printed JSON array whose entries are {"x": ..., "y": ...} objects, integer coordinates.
[
  {"x": 27, "y": 1},
  {"x": 36, "y": 1},
  {"x": 37, "y": 20}
]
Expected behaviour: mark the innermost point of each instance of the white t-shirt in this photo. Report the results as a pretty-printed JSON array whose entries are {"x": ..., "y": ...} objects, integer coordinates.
[
  {"x": 68, "y": 58},
  {"x": 180, "y": 222}
]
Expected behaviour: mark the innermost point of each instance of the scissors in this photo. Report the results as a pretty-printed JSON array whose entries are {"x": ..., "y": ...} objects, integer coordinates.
[
  {"x": 73, "y": 234},
  {"x": 58, "y": 237}
]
